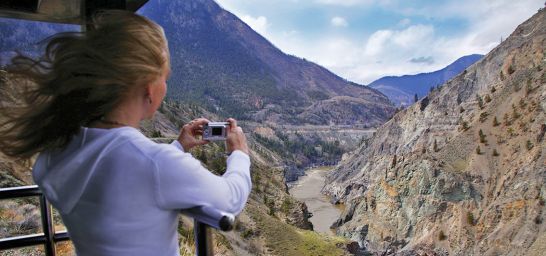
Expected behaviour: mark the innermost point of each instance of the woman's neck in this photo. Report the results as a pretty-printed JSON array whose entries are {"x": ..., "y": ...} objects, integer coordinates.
[{"x": 128, "y": 113}]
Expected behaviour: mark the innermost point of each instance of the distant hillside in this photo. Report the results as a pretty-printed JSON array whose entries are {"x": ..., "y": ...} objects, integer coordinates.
[
  {"x": 220, "y": 63},
  {"x": 401, "y": 90},
  {"x": 463, "y": 170}
]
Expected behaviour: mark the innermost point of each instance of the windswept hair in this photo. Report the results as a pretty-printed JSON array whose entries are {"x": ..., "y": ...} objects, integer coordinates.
[{"x": 80, "y": 78}]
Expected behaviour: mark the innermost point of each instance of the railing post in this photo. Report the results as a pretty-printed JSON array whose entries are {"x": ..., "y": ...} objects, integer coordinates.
[
  {"x": 47, "y": 226},
  {"x": 203, "y": 239}
]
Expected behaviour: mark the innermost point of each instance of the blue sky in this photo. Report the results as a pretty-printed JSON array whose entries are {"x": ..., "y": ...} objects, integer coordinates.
[{"x": 363, "y": 40}]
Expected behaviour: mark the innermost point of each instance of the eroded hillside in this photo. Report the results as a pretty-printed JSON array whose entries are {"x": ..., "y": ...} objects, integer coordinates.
[{"x": 463, "y": 170}]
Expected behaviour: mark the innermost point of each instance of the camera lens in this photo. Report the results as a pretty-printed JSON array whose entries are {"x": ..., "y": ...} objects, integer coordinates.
[{"x": 217, "y": 131}]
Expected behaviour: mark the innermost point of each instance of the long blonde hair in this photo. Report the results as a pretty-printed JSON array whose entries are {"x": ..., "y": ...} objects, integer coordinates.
[{"x": 80, "y": 78}]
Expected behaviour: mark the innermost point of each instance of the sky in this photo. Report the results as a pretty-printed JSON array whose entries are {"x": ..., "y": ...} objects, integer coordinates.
[{"x": 364, "y": 40}]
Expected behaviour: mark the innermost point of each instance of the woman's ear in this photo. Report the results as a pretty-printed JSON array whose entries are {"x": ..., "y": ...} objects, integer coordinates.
[{"x": 148, "y": 93}]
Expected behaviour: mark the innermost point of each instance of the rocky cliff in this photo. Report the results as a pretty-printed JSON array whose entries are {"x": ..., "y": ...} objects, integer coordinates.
[{"x": 462, "y": 171}]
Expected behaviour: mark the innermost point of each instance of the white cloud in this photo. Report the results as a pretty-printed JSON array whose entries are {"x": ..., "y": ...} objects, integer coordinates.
[
  {"x": 377, "y": 41},
  {"x": 414, "y": 36},
  {"x": 388, "y": 41},
  {"x": 258, "y": 24},
  {"x": 339, "y": 22}
]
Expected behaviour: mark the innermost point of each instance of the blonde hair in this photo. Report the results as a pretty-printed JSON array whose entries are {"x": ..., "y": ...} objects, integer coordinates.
[{"x": 80, "y": 78}]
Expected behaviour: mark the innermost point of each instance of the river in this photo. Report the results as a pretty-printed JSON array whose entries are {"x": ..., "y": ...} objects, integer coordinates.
[{"x": 307, "y": 189}]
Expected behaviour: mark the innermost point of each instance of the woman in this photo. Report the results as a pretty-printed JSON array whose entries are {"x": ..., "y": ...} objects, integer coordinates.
[{"x": 79, "y": 106}]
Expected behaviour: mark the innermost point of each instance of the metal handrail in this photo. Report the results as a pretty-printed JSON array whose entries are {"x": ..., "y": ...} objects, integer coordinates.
[
  {"x": 48, "y": 238},
  {"x": 204, "y": 218}
]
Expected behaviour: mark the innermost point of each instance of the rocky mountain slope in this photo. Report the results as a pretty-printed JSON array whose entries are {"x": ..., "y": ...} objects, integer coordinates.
[
  {"x": 401, "y": 90},
  {"x": 220, "y": 63},
  {"x": 462, "y": 171}
]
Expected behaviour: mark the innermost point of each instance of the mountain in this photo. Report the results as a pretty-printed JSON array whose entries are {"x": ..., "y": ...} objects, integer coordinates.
[
  {"x": 463, "y": 170},
  {"x": 401, "y": 90},
  {"x": 220, "y": 63}
]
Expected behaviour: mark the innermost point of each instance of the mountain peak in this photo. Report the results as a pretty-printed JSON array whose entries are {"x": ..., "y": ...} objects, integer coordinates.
[
  {"x": 401, "y": 89},
  {"x": 221, "y": 62}
]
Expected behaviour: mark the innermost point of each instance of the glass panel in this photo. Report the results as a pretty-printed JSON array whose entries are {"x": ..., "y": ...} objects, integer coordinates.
[
  {"x": 37, "y": 250},
  {"x": 20, "y": 217},
  {"x": 57, "y": 221},
  {"x": 65, "y": 249},
  {"x": 25, "y": 36}
]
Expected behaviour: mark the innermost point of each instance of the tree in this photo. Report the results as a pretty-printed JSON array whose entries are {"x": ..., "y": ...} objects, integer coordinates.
[
  {"x": 495, "y": 121},
  {"x": 435, "y": 146},
  {"x": 482, "y": 136},
  {"x": 415, "y": 98}
]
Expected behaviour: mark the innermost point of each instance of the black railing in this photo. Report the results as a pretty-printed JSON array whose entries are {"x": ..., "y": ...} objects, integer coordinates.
[
  {"x": 204, "y": 218},
  {"x": 48, "y": 238}
]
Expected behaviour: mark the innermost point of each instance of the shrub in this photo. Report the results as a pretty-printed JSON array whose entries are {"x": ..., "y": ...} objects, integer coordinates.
[
  {"x": 487, "y": 98},
  {"x": 470, "y": 218},
  {"x": 493, "y": 89},
  {"x": 511, "y": 131},
  {"x": 495, "y": 121},
  {"x": 435, "y": 146},
  {"x": 507, "y": 120},
  {"x": 247, "y": 233},
  {"x": 464, "y": 125},
  {"x": 529, "y": 145},
  {"x": 286, "y": 205},
  {"x": 529, "y": 87},
  {"x": 480, "y": 101},
  {"x": 515, "y": 114},
  {"x": 478, "y": 151},
  {"x": 511, "y": 70},
  {"x": 157, "y": 134},
  {"x": 461, "y": 109},
  {"x": 495, "y": 153},
  {"x": 482, "y": 136},
  {"x": 502, "y": 76},
  {"x": 483, "y": 116},
  {"x": 522, "y": 103},
  {"x": 442, "y": 236}
]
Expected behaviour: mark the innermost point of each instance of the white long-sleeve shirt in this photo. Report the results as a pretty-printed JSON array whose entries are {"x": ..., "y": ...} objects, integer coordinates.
[{"x": 120, "y": 193}]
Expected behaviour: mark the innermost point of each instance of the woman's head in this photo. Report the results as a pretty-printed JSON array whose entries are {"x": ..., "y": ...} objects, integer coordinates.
[{"x": 81, "y": 78}]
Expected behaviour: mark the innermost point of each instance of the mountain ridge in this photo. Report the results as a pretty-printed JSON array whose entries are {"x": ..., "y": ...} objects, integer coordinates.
[
  {"x": 268, "y": 85},
  {"x": 401, "y": 89}
]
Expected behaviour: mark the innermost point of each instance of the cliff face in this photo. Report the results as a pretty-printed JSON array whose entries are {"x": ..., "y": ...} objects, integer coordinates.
[{"x": 463, "y": 170}]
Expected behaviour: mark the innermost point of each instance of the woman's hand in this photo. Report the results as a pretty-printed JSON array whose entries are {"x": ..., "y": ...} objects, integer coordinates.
[
  {"x": 187, "y": 137},
  {"x": 236, "y": 139}
]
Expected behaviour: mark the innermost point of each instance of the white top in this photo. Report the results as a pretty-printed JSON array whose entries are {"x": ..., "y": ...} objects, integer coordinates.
[{"x": 119, "y": 193}]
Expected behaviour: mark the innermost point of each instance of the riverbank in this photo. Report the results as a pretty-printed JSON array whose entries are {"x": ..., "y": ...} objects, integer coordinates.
[{"x": 307, "y": 189}]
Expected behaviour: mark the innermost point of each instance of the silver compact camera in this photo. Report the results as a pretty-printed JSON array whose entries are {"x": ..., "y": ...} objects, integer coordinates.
[{"x": 215, "y": 131}]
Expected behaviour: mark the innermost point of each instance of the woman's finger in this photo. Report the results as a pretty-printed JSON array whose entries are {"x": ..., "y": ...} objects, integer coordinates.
[
  {"x": 232, "y": 123},
  {"x": 200, "y": 121}
]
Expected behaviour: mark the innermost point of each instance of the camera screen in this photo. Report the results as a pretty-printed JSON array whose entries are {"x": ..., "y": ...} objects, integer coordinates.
[{"x": 217, "y": 131}]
